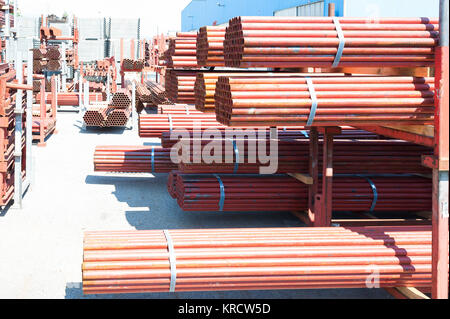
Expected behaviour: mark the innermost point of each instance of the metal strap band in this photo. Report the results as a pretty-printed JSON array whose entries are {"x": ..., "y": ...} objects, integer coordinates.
[
  {"x": 341, "y": 46},
  {"x": 222, "y": 193},
  {"x": 170, "y": 122},
  {"x": 172, "y": 261},
  {"x": 305, "y": 133},
  {"x": 187, "y": 110},
  {"x": 236, "y": 156},
  {"x": 375, "y": 194},
  {"x": 312, "y": 93},
  {"x": 153, "y": 159}
]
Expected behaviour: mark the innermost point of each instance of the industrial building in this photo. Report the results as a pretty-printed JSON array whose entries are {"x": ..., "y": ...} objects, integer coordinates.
[{"x": 199, "y": 13}]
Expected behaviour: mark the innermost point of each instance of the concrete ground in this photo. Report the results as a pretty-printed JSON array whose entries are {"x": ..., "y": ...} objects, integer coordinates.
[{"x": 41, "y": 245}]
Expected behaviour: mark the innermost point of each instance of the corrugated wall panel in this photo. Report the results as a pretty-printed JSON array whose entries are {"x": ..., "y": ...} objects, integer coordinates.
[
  {"x": 90, "y": 50},
  {"x": 91, "y": 28},
  {"x": 201, "y": 13},
  {"x": 389, "y": 8},
  {"x": 65, "y": 28},
  {"x": 124, "y": 28}
]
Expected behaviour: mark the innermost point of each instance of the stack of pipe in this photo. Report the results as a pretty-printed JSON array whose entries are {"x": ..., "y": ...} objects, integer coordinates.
[
  {"x": 3, "y": 14},
  {"x": 71, "y": 98},
  {"x": 350, "y": 157},
  {"x": 293, "y": 42},
  {"x": 133, "y": 159},
  {"x": 97, "y": 71},
  {"x": 182, "y": 51},
  {"x": 142, "y": 96},
  {"x": 48, "y": 58},
  {"x": 116, "y": 114},
  {"x": 171, "y": 183},
  {"x": 169, "y": 140},
  {"x": 184, "y": 109},
  {"x": 116, "y": 117},
  {"x": 119, "y": 110},
  {"x": 342, "y": 100},
  {"x": 180, "y": 86},
  {"x": 152, "y": 125},
  {"x": 132, "y": 65},
  {"x": 121, "y": 99},
  {"x": 242, "y": 193},
  {"x": 205, "y": 85},
  {"x": 95, "y": 116},
  {"x": 158, "y": 93},
  {"x": 255, "y": 259},
  {"x": 210, "y": 46}
]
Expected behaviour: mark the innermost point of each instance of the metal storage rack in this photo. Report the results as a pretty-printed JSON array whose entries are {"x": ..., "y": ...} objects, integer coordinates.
[{"x": 437, "y": 137}]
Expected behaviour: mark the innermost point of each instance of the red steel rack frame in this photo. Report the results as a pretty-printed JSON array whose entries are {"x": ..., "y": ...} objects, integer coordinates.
[{"x": 320, "y": 209}]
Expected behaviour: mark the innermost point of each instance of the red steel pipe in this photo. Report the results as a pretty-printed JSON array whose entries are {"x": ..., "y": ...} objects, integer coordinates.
[
  {"x": 244, "y": 193},
  {"x": 276, "y": 42},
  {"x": 256, "y": 259}
]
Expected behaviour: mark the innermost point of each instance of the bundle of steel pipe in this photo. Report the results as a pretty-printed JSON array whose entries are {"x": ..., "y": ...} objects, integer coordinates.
[
  {"x": 53, "y": 53},
  {"x": 205, "y": 84},
  {"x": 239, "y": 193},
  {"x": 95, "y": 116},
  {"x": 171, "y": 183},
  {"x": 180, "y": 86},
  {"x": 121, "y": 99},
  {"x": 39, "y": 54},
  {"x": 133, "y": 159},
  {"x": 255, "y": 259},
  {"x": 143, "y": 93},
  {"x": 210, "y": 46},
  {"x": 181, "y": 109},
  {"x": 71, "y": 98},
  {"x": 116, "y": 117},
  {"x": 169, "y": 140},
  {"x": 132, "y": 65},
  {"x": 158, "y": 93},
  {"x": 325, "y": 101},
  {"x": 182, "y": 51},
  {"x": 330, "y": 42},
  {"x": 152, "y": 125},
  {"x": 350, "y": 157}
]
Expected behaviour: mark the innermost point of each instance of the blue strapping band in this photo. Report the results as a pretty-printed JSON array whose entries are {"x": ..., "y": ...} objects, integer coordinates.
[
  {"x": 375, "y": 194},
  {"x": 153, "y": 159},
  {"x": 222, "y": 193},
  {"x": 312, "y": 93},
  {"x": 170, "y": 122},
  {"x": 236, "y": 155},
  {"x": 340, "y": 50},
  {"x": 305, "y": 133}
]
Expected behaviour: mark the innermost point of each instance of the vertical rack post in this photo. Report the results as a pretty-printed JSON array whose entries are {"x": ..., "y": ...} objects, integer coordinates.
[
  {"x": 18, "y": 136},
  {"x": 326, "y": 202},
  {"x": 7, "y": 32},
  {"x": 86, "y": 94},
  {"x": 42, "y": 114},
  {"x": 313, "y": 189},
  {"x": 65, "y": 69},
  {"x": 440, "y": 244},
  {"x": 134, "y": 115},
  {"x": 29, "y": 120}
]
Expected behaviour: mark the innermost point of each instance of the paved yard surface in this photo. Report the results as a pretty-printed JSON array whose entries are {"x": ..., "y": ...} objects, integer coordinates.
[{"x": 41, "y": 245}]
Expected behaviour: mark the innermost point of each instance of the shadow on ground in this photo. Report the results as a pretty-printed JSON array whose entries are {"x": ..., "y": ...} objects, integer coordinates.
[
  {"x": 155, "y": 209},
  {"x": 74, "y": 291}
]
